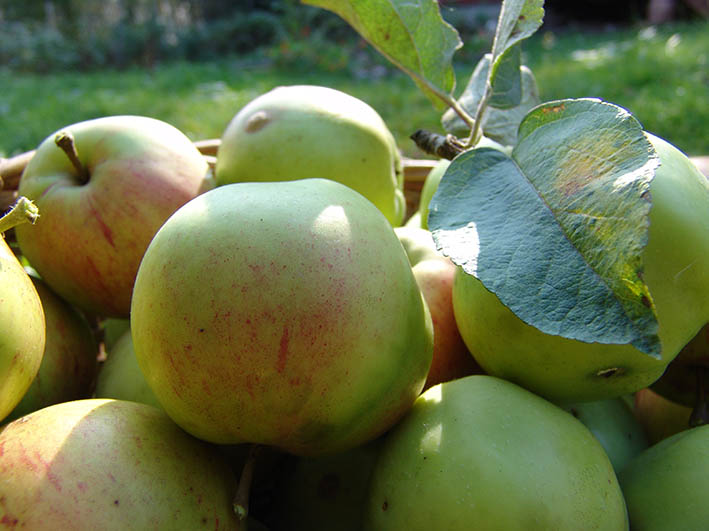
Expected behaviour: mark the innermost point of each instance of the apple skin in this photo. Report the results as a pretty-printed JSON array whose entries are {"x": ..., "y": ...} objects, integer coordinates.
[
  {"x": 612, "y": 422},
  {"x": 309, "y": 131},
  {"x": 113, "y": 329},
  {"x": 665, "y": 487},
  {"x": 89, "y": 240},
  {"x": 676, "y": 259},
  {"x": 69, "y": 363},
  {"x": 23, "y": 333},
  {"x": 120, "y": 376},
  {"x": 483, "y": 453},
  {"x": 434, "y": 275},
  {"x": 110, "y": 464},
  {"x": 659, "y": 416},
  {"x": 283, "y": 314}
]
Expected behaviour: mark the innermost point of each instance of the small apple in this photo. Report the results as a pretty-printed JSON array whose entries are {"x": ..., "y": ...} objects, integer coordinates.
[
  {"x": 659, "y": 416},
  {"x": 281, "y": 313},
  {"x": 308, "y": 131},
  {"x": 120, "y": 376},
  {"x": 483, "y": 453},
  {"x": 102, "y": 196},
  {"x": 676, "y": 259},
  {"x": 113, "y": 329},
  {"x": 23, "y": 335},
  {"x": 434, "y": 275},
  {"x": 612, "y": 422},
  {"x": 110, "y": 464},
  {"x": 665, "y": 487},
  {"x": 69, "y": 363}
]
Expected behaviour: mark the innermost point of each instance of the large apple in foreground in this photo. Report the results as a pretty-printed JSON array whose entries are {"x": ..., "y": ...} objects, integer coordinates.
[
  {"x": 283, "y": 314},
  {"x": 676, "y": 261},
  {"x": 309, "y": 131},
  {"x": 483, "y": 453},
  {"x": 101, "y": 201},
  {"x": 110, "y": 464}
]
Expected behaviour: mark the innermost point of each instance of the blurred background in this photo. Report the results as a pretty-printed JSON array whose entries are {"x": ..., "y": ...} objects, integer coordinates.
[{"x": 194, "y": 63}]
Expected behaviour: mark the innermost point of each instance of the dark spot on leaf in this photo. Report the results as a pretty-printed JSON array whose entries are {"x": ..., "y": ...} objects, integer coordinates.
[
  {"x": 115, "y": 502},
  {"x": 574, "y": 412},
  {"x": 646, "y": 302},
  {"x": 201, "y": 329},
  {"x": 385, "y": 505}
]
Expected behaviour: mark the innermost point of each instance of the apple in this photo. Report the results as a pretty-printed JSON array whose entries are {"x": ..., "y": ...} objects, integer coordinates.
[
  {"x": 23, "y": 334},
  {"x": 113, "y": 329},
  {"x": 612, "y": 422},
  {"x": 483, "y": 453},
  {"x": 676, "y": 260},
  {"x": 659, "y": 416},
  {"x": 309, "y": 131},
  {"x": 110, "y": 464},
  {"x": 665, "y": 486},
  {"x": 69, "y": 362},
  {"x": 283, "y": 314},
  {"x": 120, "y": 376},
  {"x": 102, "y": 196},
  {"x": 434, "y": 275}
]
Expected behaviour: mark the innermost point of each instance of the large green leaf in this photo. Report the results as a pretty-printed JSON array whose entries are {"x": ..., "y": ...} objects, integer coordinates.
[
  {"x": 499, "y": 124},
  {"x": 410, "y": 33},
  {"x": 557, "y": 230}
]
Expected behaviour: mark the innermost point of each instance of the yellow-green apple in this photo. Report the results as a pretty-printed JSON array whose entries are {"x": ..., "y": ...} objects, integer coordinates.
[
  {"x": 120, "y": 376},
  {"x": 665, "y": 487},
  {"x": 483, "y": 453},
  {"x": 309, "y": 131},
  {"x": 23, "y": 335},
  {"x": 612, "y": 422},
  {"x": 281, "y": 313},
  {"x": 676, "y": 259},
  {"x": 659, "y": 416},
  {"x": 69, "y": 363},
  {"x": 112, "y": 329},
  {"x": 434, "y": 275},
  {"x": 110, "y": 464},
  {"x": 103, "y": 195}
]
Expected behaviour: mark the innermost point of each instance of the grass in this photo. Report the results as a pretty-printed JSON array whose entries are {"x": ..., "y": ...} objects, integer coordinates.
[{"x": 661, "y": 75}]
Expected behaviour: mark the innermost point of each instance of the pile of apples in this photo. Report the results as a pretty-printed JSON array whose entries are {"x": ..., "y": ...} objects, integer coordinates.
[{"x": 268, "y": 340}]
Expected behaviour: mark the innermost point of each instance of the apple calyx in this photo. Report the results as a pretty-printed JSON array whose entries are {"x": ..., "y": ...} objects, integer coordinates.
[
  {"x": 241, "y": 498},
  {"x": 700, "y": 412},
  {"x": 23, "y": 211},
  {"x": 65, "y": 141}
]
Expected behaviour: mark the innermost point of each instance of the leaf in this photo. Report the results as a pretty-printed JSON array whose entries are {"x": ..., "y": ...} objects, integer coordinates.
[
  {"x": 497, "y": 124},
  {"x": 507, "y": 81},
  {"x": 557, "y": 230},
  {"x": 411, "y": 34},
  {"x": 518, "y": 20}
]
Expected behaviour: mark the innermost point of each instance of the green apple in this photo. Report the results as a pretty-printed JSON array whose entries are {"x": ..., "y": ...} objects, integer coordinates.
[
  {"x": 113, "y": 329},
  {"x": 110, "y": 464},
  {"x": 69, "y": 363},
  {"x": 612, "y": 422},
  {"x": 434, "y": 275},
  {"x": 120, "y": 376},
  {"x": 102, "y": 198},
  {"x": 283, "y": 314},
  {"x": 23, "y": 335},
  {"x": 676, "y": 260},
  {"x": 665, "y": 487},
  {"x": 483, "y": 453},
  {"x": 308, "y": 131},
  {"x": 659, "y": 416}
]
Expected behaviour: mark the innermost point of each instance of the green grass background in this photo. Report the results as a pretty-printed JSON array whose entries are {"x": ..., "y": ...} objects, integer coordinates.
[{"x": 660, "y": 74}]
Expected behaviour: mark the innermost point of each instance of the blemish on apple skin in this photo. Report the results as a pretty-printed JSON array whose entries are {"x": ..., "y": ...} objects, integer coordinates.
[
  {"x": 257, "y": 121},
  {"x": 283, "y": 350}
]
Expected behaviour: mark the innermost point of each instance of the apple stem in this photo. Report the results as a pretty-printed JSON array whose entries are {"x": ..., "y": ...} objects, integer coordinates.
[
  {"x": 241, "y": 499},
  {"x": 65, "y": 140},
  {"x": 700, "y": 412},
  {"x": 23, "y": 211}
]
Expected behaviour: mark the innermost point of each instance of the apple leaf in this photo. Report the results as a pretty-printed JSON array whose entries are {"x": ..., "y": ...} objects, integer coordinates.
[
  {"x": 557, "y": 229},
  {"x": 507, "y": 81},
  {"x": 518, "y": 20},
  {"x": 499, "y": 124},
  {"x": 411, "y": 34}
]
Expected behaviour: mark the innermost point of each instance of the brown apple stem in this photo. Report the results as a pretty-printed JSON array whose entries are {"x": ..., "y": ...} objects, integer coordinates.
[
  {"x": 241, "y": 499},
  {"x": 23, "y": 211},
  {"x": 700, "y": 412},
  {"x": 65, "y": 140},
  {"x": 444, "y": 146}
]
